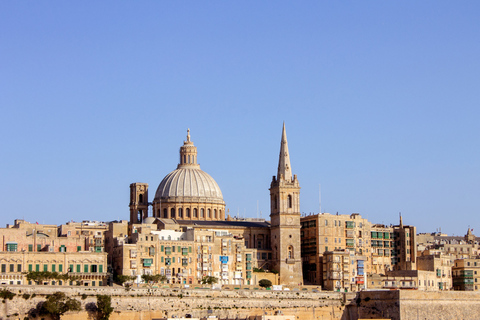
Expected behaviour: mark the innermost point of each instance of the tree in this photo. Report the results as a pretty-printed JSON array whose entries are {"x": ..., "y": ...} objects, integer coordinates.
[
  {"x": 209, "y": 280},
  {"x": 149, "y": 278},
  {"x": 265, "y": 283},
  {"x": 121, "y": 279},
  {"x": 57, "y": 304},
  {"x": 104, "y": 306}
]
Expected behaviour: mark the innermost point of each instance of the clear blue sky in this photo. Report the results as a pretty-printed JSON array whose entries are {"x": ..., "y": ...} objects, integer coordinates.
[{"x": 381, "y": 101}]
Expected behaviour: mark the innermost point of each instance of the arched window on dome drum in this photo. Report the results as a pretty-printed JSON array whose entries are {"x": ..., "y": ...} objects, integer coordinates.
[
  {"x": 180, "y": 213},
  {"x": 202, "y": 213},
  {"x": 172, "y": 213},
  {"x": 188, "y": 158},
  {"x": 209, "y": 214},
  {"x": 193, "y": 159},
  {"x": 219, "y": 214},
  {"x": 215, "y": 213},
  {"x": 184, "y": 158},
  {"x": 290, "y": 201},
  {"x": 188, "y": 213},
  {"x": 165, "y": 213},
  {"x": 195, "y": 213}
]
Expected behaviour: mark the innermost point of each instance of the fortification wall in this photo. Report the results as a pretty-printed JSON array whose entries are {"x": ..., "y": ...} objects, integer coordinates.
[
  {"x": 145, "y": 304},
  {"x": 413, "y": 305}
]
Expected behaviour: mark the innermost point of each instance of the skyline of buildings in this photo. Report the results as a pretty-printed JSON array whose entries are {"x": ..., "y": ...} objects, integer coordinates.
[{"x": 186, "y": 235}]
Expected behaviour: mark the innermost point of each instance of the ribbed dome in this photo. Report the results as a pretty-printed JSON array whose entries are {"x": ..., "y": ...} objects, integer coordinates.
[{"x": 189, "y": 182}]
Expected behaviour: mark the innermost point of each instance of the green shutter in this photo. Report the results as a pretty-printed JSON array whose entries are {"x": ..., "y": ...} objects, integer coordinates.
[
  {"x": 79, "y": 248},
  {"x": 53, "y": 268},
  {"x": 37, "y": 267},
  {"x": 162, "y": 259},
  {"x": 100, "y": 268},
  {"x": 30, "y": 267},
  {"x": 78, "y": 268},
  {"x": 173, "y": 259},
  {"x": 71, "y": 268},
  {"x": 189, "y": 249},
  {"x": 60, "y": 268},
  {"x": 30, "y": 247},
  {"x": 85, "y": 268},
  {"x": 39, "y": 247},
  {"x": 161, "y": 248}
]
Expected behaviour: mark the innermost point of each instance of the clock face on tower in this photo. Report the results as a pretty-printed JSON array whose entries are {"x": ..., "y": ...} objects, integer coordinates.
[{"x": 289, "y": 220}]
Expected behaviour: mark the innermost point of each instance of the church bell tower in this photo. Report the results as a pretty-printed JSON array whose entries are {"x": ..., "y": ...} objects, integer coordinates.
[
  {"x": 138, "y": 202},
  {"x": 285, "y": 219}
]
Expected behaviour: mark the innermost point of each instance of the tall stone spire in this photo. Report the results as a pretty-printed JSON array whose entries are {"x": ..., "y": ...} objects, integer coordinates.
[{"x": 284, "y": 168}]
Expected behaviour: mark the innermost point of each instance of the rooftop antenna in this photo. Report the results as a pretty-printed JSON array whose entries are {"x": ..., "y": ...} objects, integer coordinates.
[{"x": 320, "y": 196}]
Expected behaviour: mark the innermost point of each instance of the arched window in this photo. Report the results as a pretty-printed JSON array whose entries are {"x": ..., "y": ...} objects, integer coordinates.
[
  {"x": 219, "y": 214},
  {"x": 275, "y": 202},
  {"x": 215, "y": 213},
  {"x": 193, "y": 159},
  {"x": 290, "y": 252},
  {"x": 188, "y": 158},
  {"x": 165, "y": 213},
  {"x": 184, "y": 158},
  {"x": 195, "y": 213},
  {"x": 172, "y": 213},
  {"x": 202, "y": 213},
  {"x": 180, "y": 213},
  {"x": 188, "y": 212},
  {"x": 290, "y": 202},
  {"x": 208, "y": 213},
  {"x": 140, "y": 198}
]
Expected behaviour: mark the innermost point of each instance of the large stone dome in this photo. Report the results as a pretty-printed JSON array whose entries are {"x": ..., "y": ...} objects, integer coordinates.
[
  {"x": 189, "y": 193},
  {"x": 191, "y": 183}
]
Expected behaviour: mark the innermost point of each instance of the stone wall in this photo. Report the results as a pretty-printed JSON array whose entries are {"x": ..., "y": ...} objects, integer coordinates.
[
  {"x": 146, "y": 304},
  {"x": 414, "y": 305}
]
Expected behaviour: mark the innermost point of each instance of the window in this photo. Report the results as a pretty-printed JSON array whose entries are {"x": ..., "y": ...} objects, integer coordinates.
[
  {"x": 62, "y": 248},
  {"x": 19, "y": 268},
  {"x": 30, "y": 247},
  {"x": 53, "y": 268},
  {"x": 37, "y": 267},
  {"x": 11, "y": 246},
  {"x": 202, "y": 213},
  {"x": 290, "y": 201},
  {"x": 290, "y": 252},
  {"x": 165, "y": 213},
  {"x": 45, "y": 267},
  {"x": 172, "y": 213},
  {"x": 39, "y": 247},
  {"x": 195, "y": 213},
  {"x": 79, "y": 248},
  {"x": 188, "y": 212},
  {"x": 60, "y": 268},
  {"x": 30, "y": 267},
  {"x": 78, "y": 268},
  {"x": 180, "y": 213},
  {"x": 12, "y": 268},
  {"x": 85, "y": 268}
]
